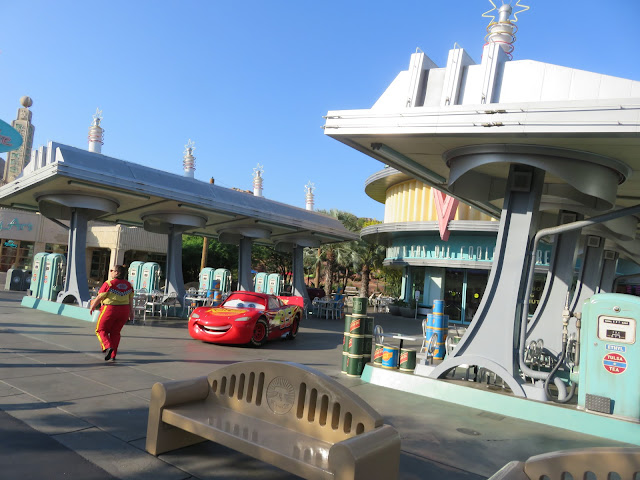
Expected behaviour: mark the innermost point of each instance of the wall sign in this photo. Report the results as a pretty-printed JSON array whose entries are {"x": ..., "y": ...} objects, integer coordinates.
[{"x": 15, "y": 223}]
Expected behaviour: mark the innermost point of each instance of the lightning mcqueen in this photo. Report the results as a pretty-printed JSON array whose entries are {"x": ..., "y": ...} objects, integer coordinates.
[{"x": 247, "y": 317}]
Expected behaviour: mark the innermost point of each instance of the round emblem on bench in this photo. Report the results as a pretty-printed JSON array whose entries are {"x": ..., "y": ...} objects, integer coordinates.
[{"x": 280, "y": 395}]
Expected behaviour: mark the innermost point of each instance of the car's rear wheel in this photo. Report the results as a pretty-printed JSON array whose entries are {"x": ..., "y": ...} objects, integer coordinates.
[
  {"x": 260, "y": 333},
  {"x": 294, "y": 328}
]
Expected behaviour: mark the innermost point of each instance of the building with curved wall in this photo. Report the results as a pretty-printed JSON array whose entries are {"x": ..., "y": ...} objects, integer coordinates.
[{"x": 444, "y": 247}]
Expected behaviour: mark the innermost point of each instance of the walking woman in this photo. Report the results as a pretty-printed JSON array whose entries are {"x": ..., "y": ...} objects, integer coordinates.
[{"x": 116, "y": 297}]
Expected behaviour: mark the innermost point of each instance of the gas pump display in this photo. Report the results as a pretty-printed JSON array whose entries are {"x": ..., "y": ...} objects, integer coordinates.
[
  {"x": 135, "y": 274},
  {"x": 37, "y": 274},
  {"x": 54, "y": 272},
  {"x": 610, "y": 356},
  {"x": 274, "y": 284},
  {"x": 206, "y": 279},
  {"x": 224, "y": 277},
  {"x": 260, "y": 282},
  {"x": 150, "y": 276}
]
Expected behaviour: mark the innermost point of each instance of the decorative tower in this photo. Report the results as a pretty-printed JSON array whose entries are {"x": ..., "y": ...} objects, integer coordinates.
[
  {"x": 189, "y": 161},
  {"x": 96, "y": 133},
  {"x": 308, "y": 195},
  {"x": 17, "y": 159},
  {"x": 504, "y": 30},
  {"x": 257, "y": 180}
]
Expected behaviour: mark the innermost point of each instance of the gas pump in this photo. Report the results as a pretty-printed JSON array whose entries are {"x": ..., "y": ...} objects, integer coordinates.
[
  {"x": 274, "y": 284},
  {"x": 135, "y": 274},
  {"x": 609, "y": 365},
  {"x": 37, "y": 274},
  {"x": 206, "y": 279},
  {"x": 54, "y": 272},
  {"x": 150, "y": 276},
  {"x": 224, "y": 276},
  {"x": 260, "y": 282}
]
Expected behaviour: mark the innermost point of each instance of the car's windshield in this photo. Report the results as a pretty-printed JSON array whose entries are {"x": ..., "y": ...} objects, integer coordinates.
[{"x": 243, "y": 300}]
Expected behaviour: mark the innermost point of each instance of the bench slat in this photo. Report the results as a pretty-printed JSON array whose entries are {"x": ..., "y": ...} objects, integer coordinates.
[{"x": 298, "y": 453}]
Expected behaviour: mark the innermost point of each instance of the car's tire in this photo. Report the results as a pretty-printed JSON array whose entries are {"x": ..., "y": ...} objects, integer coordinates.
[
  {"x": 260, "y": 333},
  {"x": 293, "y": 333}
]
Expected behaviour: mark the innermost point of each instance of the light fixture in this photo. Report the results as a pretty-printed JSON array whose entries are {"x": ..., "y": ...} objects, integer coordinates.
[
  {"x": 127, "y": 223},
  {"x": 25, "y": 206}
]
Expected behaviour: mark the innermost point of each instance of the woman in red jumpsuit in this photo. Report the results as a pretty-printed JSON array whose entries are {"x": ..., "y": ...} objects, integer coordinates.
[{"x": 116, "y": 297}]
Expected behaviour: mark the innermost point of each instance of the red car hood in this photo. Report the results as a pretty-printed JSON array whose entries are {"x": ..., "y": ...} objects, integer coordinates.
[{"x": 220, "y": 315}]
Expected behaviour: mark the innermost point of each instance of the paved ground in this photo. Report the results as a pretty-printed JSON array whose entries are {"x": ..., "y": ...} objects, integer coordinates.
[{"x": 69, "y": 414}]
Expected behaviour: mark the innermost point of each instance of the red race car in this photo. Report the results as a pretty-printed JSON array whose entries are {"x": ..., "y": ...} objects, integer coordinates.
[{"x": 247, "y": 317}]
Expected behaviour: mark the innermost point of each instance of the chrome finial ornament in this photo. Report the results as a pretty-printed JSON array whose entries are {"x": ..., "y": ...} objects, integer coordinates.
[
  {"x": 96, "y": 133},
  {"x": 189, "y": 161},
  {"x": 504, "y": 30},
  {"x": 308, "y": 190},
  {"x": 257, "y": 180}
]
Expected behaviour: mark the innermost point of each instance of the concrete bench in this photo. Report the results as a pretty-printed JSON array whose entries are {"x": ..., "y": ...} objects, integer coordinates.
[
  {"x": 285, "y": 414},
  {"x": 604, "y": 464}
]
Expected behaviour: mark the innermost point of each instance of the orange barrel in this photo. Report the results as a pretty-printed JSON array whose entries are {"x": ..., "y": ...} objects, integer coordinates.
[
  {"x": 356, "y": 345},
  {"x": 368, "y": 344},
  {"x": 356, "y": 325},
  {"x": 377, "y": 354},
  {"x": 355, "y": 365},
  {"x": 389, "y": 357},
  {"x": 360, "y": 305},
  {"x": 440, "y": 327},
  {"x": 407, "y": 360}
]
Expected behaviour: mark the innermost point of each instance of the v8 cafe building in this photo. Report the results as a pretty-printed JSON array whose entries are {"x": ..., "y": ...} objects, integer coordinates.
[
  {"x": 23, "y": 234},
  {"x": 444, "y": 247}
]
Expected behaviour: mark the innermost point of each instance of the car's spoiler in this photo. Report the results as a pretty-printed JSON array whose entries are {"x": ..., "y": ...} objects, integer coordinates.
[{"x": 291, "y": 300}]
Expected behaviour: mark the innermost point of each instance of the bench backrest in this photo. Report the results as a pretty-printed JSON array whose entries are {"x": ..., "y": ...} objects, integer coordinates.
[
  {"x": 294, "y": 396},
  {"x": 601, "y": 462}
]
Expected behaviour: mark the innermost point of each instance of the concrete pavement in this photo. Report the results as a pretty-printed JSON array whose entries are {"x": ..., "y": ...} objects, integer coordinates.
[{"x": 54, "y": 381}]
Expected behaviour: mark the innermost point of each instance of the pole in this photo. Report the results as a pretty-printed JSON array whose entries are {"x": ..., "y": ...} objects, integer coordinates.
[{"x": 205, "y": 246}]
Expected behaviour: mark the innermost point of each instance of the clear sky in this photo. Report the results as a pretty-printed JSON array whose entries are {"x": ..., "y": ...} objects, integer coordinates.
[{"x": 249, "y": 81}]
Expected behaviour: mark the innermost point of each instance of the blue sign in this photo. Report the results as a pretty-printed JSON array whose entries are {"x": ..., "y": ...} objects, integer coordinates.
[
  {"x": 10, "y": 139},
  {"x": 616, "y": 348}
]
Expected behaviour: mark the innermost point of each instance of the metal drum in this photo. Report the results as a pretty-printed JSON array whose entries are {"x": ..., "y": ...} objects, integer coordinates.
[
  {"x": 367, "y": 345},
  {"x": 360, "y": 305},
  {"x": 407, "y": 360},
  {"x": 345, "y": 342},
  {"x": 368, "y": 325},
  {"x": 345, "y": 356},
  {"x": 389, "y": 357},
  {"x": 366, "y": 359},
  {"x": 356, "y": 325},
  {"x": 355, "y": 365},
  {"x": 440, "y": 328},
  {"x": 377, "y": 354},
  {"x": 356, "y": 345},
  {"x": 438, "y": 307}
]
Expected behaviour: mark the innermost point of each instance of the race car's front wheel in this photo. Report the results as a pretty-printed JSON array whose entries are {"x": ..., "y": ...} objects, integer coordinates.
[
  {"x": 294, "y": 328},
  {"x": 260, "y": 333}
]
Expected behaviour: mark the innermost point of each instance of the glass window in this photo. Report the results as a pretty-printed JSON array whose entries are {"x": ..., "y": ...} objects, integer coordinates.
[
  {"x": 15, "y": 254},
  {"x": 476, "y": 283},
  {"x": 417, "y": 283},
  {"x": 453, "y": 283},
  {"x": 539, "y": 280}
]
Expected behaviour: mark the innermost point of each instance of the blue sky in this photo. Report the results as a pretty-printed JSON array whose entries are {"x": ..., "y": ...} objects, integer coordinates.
[{"x": 249, "y": 81}]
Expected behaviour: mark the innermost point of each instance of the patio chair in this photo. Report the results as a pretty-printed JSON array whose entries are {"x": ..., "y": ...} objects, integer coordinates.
[
  {"x": 170, "y": 301},
  {"x": 140, "y": 306},
  {"x": 378, "y": 334},
  {"x": 315, "y": 307},
  {"x": 154, "y": 303}
]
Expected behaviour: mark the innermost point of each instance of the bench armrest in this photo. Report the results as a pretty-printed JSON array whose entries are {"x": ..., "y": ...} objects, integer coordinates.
[
  {"x": 374, "y": 454},
  {"x": 161, "y": 437},
  {"x": 511, "y": 471}
]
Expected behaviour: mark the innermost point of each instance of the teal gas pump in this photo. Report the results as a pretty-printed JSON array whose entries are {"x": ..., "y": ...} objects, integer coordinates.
[
  {"x": 260, "y": 282},
  {"x": 206, "y": 279},
  {"x": 274, "y": 284},
  {"x": 609, "y": 366},
  {"x": 37, "y": 274},
  {"x": 54, "y": 272},
  {"x": 150, "y": 274},
  {"x": 224, "y": 276},
  {"x": 134, "y": 275}
]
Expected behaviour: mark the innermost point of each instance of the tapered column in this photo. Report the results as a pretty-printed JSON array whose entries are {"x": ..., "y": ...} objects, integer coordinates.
[
  {"x": 590, "y": 272},
  {"x": 609, "y": 265},
  {"x": 244, "y": 265},
  {"x": 76, "y": 285},
  {"x": 490, "y": 339},
  {"x": 299, "y": 287},
  {"x": 175, "y": 280},
  {"x": 547, "y": 319}
]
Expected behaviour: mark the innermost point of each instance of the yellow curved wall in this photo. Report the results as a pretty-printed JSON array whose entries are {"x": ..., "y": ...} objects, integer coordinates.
[{"x": 411, "y": 201}]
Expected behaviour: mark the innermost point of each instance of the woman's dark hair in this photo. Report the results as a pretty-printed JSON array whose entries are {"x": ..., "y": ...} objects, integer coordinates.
[{"x": 121, "y": 272}]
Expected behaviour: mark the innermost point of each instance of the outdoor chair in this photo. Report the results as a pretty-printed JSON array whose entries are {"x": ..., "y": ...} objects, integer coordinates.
[
  {"x": 154, "y": 303},
  {"x": 170, "y": 301},
  {"x": 378, "y": 334},
  {"x": 315, "y": 307},
  {"x": 140, "y": 305}
]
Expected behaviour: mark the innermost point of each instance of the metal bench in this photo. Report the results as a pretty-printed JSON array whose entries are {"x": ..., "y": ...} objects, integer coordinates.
[
  {"x": 603, "y": 463},
  {"x": 285, "y": 414}
]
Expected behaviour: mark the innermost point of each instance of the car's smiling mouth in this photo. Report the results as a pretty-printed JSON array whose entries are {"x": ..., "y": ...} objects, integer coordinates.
[{"x": 214, "y": 330}]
